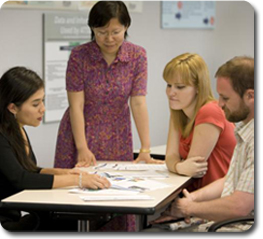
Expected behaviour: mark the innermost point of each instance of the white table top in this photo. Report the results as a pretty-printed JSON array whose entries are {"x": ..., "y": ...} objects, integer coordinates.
[{"x": 62, "y": 200}]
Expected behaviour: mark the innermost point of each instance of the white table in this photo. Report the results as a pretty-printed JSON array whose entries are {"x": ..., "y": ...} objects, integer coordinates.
[{"x": 60, "y": 200}]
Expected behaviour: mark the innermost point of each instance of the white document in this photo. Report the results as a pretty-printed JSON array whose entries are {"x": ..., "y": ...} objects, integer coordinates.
[
  {"x": 131, "y": 167},
  {"x": 138, "y": 184},
  {"x": 117, "y": 198},
  {"x": 142, "y": 167},
  {"x": 131, "y": 174},
  {"x": 101, "y": 192},
  {"x": 124, "y": 186}
]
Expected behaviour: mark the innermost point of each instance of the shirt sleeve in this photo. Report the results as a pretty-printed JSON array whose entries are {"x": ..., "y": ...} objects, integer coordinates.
[
  {"x": 246, "y": 179},
  {"x": 211, "y": 113},
  {"x": 74, "y": 74},
  {"x": 139, "y": 87},
  {"x": 16, "y": 175}
]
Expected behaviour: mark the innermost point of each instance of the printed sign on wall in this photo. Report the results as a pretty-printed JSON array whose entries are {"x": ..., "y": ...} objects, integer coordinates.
[
  {"x": 62, "y": 32},
  {"x": 188, "y": 14}
]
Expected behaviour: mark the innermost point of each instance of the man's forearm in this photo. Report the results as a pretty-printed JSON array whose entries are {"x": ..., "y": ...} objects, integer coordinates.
[
  {"x": 209, "y": 192},
  {"x": 236, "y": 205}
]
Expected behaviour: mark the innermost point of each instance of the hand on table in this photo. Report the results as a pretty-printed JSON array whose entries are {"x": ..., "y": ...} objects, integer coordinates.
[
  {"x": 85, "y": 158},
  {"x": 94, "y": 181}
]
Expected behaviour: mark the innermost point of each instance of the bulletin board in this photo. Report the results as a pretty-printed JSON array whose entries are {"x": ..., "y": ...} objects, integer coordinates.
[
  {"x": 188, "y": 14},
  {"x": 62, "y": 32}
]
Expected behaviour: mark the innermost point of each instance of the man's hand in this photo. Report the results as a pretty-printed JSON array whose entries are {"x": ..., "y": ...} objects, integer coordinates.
[{"x": 177, "y": 209}]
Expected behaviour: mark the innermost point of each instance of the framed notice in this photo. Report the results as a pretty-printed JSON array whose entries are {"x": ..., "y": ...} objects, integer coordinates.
[
  {"x": 62, "y": 32},
  {"x": 188, "y": 14}
]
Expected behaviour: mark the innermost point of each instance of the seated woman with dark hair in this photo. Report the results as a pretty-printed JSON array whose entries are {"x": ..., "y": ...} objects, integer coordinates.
[{"x": 21, "y": 104}]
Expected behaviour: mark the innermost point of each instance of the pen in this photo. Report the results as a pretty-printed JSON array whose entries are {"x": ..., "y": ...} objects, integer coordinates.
[{"x": 101, "y": 166}]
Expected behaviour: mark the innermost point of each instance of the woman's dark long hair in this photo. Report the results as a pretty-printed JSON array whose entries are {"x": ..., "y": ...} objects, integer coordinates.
[{"x": 16, "y": 86}]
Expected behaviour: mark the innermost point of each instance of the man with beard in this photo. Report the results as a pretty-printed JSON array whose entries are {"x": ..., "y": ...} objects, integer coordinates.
[{"x": 231, "y": 196}]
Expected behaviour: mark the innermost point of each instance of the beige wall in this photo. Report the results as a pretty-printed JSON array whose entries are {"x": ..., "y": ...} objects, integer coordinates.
[{"x": 21, "y": 44}]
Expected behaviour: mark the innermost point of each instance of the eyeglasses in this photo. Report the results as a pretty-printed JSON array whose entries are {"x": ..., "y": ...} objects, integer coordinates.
[{"x": 104, "y": 34}]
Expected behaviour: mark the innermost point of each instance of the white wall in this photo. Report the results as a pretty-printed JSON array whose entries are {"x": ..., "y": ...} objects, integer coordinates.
[{"x": 21, "y": 44}]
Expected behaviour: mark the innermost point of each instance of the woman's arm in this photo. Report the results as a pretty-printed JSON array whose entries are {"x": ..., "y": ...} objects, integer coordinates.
[
  {"x": 141, "y": 119},
  {"x": 205, "y": 138},
  {"x": 84, "y": 180},
  {"x": 76, "y": 105},
  {"x": 53, "y": 171},
  {"x": 59, "y": 171},
  {"x": 172, "y": 156}
]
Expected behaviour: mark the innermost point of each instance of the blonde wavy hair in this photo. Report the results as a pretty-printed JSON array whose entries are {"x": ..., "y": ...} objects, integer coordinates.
[{"x": 192, "y": 70}]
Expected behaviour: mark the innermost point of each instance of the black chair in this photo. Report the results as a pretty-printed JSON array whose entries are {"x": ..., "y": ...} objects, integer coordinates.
[{"x": 214, "y": 227}]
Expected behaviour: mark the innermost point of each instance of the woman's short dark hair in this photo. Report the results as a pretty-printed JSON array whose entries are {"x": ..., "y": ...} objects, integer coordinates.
[
  {"x": 103, "y": 11},
  {"x": 16, "y": 86}
]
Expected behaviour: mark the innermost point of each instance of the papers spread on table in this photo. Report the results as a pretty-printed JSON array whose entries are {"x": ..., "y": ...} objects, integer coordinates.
[
  {"x": 123, "y": 185},
  {"x": 129, "y": 188},
  {"x": 142, "y": 170},
  {"x": 142, "y": 167},
  {"x": 132, "y": 167},
  {"x": 128, "y": 181}
]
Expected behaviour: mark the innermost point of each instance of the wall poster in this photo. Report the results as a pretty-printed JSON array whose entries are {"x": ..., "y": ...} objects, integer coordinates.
[
  {"x": 188, "y": 14},
  {"x": 62, "y": 32}
]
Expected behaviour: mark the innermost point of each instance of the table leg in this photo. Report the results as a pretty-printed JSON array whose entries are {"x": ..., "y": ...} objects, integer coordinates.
[
  {"x": 141, "y": 222},
  {"x": 83, "y": 226}
]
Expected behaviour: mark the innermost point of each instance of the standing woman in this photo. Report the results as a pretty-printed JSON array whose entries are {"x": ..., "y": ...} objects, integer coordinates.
[
  {"x": 21, "y": 104},
  {"x": 200, "y": 140},
  {"x": 102, "y": 75}
]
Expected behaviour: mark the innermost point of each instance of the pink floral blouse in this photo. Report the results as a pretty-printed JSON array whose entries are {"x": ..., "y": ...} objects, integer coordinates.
[{"x": 107, "y": 90}]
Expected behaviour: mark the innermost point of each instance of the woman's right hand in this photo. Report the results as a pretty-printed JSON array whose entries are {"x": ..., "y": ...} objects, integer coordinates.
[
  {"x": 194, "y": 167},
  {"x": 94, "y": 181},
  {"x": 85, "y": 158}
]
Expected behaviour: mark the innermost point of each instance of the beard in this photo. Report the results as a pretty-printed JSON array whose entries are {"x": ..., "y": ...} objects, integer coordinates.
[{"x": 239, "y": 115}]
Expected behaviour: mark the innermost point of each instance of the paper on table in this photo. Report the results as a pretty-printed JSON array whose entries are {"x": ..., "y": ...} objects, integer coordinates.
[
  {"x": 146, "y": 174},
  {"x": 103, "y": 191},
  {"x": 129, "y": 185},
  {"x": 144, "y": 184},
  {"x": 142, "y": 167},
  {"x": 132, "y": 167},
  {"x": 139, "y": 174},
  {"x": 117, "y": 198}
]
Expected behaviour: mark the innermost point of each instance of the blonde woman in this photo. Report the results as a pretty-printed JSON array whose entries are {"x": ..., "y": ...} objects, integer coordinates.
[{"x": 200, "y": 140}]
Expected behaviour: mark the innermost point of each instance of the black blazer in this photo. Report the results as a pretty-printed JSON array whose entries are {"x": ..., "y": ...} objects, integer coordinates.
[{"x": 13, "y": 177}]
